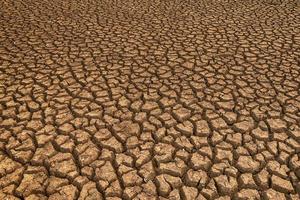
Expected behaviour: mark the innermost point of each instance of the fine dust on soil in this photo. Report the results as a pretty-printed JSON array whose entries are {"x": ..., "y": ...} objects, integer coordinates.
[{"x": 162, "y": 99}]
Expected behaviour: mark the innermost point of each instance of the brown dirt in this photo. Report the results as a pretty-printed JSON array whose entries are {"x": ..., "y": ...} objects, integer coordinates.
[{"x": 143, "y": 99}]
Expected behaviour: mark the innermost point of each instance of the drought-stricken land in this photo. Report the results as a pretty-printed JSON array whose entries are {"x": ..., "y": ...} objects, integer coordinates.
[{"x": 183, "y": 99}]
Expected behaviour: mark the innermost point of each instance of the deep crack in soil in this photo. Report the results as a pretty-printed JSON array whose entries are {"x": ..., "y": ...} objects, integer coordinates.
[{"x": 163, "y": 99}]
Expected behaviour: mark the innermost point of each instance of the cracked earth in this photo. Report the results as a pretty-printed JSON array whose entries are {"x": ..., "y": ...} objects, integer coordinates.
[{"x": 160, "y": 99}]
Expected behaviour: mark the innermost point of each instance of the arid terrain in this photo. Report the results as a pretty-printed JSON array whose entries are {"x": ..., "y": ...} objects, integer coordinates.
[{"x": 149, "y": 99}]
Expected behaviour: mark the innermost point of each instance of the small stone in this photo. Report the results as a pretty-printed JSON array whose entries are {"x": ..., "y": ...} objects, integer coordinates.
[
  {"x": 226, "y": 185},
  {"x": 189, "y": 193},
  {"x": 89, "y": 191},
  {"x": 33, "y": 106},
  {"x": 281, "y": 185},
  {"x": 247, "y": 164},
  {"x": 277, "y": 125},
  {"x": 295, "y": 132},
  {"x": 131, "y": 179},
  {"x": 202, "y": 128},
  {"x": 196, "y": 178},
  {"x": 222, "y": 155},
  {"x": 262, "y": 179},
  {"x": 186, "y": 128},
  {"x": 200, "y": 162},
  {"x": 8, "y": 122},
  {"x": 243, "y": 126},
  {"x": 219, "y": 123},
  {"x": 260, "y": 134},
  {"x": 131, "y": 192},
  {"x": 163, "y": 187},
  {"x": 246, "y": 181},
  {"x": 182, "y": 114},
  {"x": 248, "y": 194},
  {"x": 149, "y": 105},
  {"x": 271, "y": 194}
]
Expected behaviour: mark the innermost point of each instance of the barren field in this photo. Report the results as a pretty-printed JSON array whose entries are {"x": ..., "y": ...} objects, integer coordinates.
[{"x": 149, "y": 99}]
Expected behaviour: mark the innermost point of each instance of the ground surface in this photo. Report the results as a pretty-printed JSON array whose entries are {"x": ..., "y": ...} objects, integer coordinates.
[{"x": 149, "y": 99}]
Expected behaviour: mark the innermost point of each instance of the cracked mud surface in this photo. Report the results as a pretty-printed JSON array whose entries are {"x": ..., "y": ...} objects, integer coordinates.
[{"x": 149, "y": 99}]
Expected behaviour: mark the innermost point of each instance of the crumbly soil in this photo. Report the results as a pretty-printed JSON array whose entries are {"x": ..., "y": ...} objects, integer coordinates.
[{"x": 162, "y": 99}]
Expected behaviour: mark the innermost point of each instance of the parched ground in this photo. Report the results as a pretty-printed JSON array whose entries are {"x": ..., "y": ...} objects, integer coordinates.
[{"x": 149, "y": 99}]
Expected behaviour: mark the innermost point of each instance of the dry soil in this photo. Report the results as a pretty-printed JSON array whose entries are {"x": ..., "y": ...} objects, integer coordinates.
[{"x": 162, "y": 99}]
